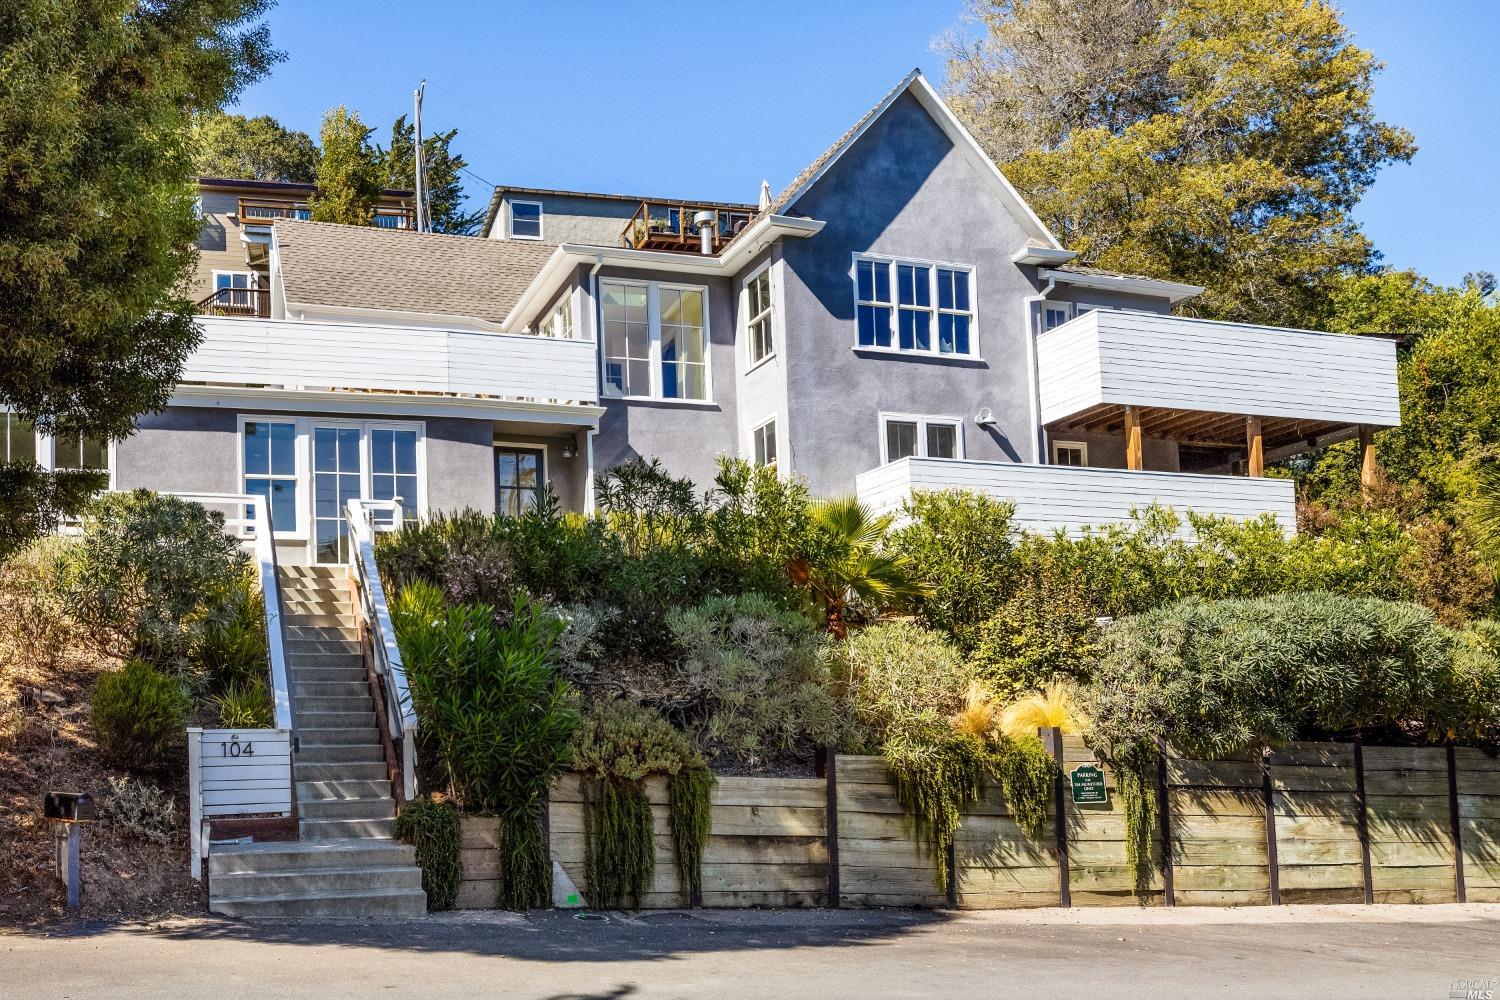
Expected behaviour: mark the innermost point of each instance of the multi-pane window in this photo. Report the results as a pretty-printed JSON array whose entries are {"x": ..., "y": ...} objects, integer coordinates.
[
  {"x": 393, "y": 469},
  {"x": 559, "y": 323},
  {"x": 1055, "y": 314},
  {"x": 336, "y": 480},
  {"x": 758, "y": 309},
  {"x": 17, "y": 439},
  {"x": 80, "y": 452},
  {"x": 655, "y": 340},
  {"x": 765, "y": 443},
  {"x": 269, "y": 459},
  {"x": 912, "y": 306},
  {"x": 1074, "y": 453},
  {"x": 519, "y": 479},
  {"x": 526, "y": 220},
  {"x": 921, "y": 437}
]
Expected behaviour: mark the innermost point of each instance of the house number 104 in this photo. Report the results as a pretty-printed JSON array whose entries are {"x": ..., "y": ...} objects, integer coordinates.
[{"x": 234, "y": 748}]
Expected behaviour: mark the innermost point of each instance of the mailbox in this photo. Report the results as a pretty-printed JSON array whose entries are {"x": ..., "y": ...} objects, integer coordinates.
[{"x": 68, "y": 807}]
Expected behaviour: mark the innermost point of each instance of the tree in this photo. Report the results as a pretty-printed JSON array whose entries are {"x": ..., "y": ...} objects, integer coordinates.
[
  {"x": 445, "y": 193},
  {"x": 257, "y": 149},
  {"x": 348, "y": 178},
  {"x": 847, "y": 564},
  {"x": 1221, "y": 142},
  {"x": 97, "y": 215}
]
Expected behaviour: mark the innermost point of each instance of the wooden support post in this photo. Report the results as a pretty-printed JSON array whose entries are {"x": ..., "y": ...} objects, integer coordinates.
[
  {"x": 1458, "y": 834},
  {"x": 1256, "y": 464},
  {"x": 1164, "y": 819},
  {"x": 953, "y": 874},
  {"x": 1134, "y": 452},
  {"x": 1369, "y": 463},
  {"x": 1364, "y": 820},
  {"x": 831, "y": 823},
  {"x": 1052, "y": 739},
  {"x": 1268, "y": 796}
]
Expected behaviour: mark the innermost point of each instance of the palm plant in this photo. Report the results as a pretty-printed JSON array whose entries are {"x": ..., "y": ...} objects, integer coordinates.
[
  {"x": 1484, "y": 512},
  {"x": 846, "y": 564}
]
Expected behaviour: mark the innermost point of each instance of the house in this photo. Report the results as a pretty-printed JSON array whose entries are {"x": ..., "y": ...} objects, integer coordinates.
[
  {"x": 897, "y": 318},
  {"x": 234, "y": 244}
]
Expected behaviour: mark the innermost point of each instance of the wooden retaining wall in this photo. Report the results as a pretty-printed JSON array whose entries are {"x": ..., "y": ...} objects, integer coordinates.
[{"x": 1305, "y": 823}]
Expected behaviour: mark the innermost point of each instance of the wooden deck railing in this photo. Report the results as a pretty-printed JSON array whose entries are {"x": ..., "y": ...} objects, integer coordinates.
[
  {"x": 252, "y": 302},
  {"x": 668, "y": 225},
  {"x": 268, "y": 210}
]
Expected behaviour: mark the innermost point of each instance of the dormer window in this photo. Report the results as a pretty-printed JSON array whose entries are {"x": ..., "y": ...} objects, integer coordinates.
[{"x": 525, "y": 220}]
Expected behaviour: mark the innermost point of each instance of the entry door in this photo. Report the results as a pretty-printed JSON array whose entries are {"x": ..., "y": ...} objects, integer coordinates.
[
  {"x": 519, "y": 479},
  {"x": 338, "y": 477}
]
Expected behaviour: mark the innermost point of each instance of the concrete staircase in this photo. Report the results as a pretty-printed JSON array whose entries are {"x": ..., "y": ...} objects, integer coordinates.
[{"x": 346, "y": 863}]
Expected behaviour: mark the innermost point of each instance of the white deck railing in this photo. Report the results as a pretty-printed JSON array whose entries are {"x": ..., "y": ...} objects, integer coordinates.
[
  {"x": 300, "y": 355},
  {"x": 374, "y": 614},
  {"x": 1049, "y": 497}
]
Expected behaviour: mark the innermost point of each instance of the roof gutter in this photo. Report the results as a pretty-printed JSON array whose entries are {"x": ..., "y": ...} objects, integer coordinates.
[{"x": 1173, "y": 291}]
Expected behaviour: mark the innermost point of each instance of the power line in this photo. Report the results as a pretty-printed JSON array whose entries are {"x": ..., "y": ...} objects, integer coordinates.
[{"x": 445, "y": 122}]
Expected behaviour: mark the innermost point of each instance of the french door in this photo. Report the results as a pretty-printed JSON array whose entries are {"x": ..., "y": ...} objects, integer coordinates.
[{"x": 359, "y": 461}]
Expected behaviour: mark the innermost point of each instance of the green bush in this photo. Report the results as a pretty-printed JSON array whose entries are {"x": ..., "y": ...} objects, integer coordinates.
[
  {"x": 231, "y": 648},
  {"x": 892, "y": 672},
  {"x": 140, "y": 716},
  {"x": 620, "y": 739},
  {"x": 434, "y": 827},
  {"x": 1045, "y": 628},
  {"x": 245, "y": 704},
  {"x": 756, "y": 672},
  {"x": 34, "y": 619},
  {"x": 146, "y": 571}
]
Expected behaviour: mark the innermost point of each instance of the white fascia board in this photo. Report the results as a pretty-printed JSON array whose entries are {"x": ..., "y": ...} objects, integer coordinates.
[
  {"x": 569, "y": 256},
  {"x": 1173, "y": 291},
  {"x": 1049, "y": 256},
  {"x": 354, "y": 315},
  {"x": 383, "y": 404}
]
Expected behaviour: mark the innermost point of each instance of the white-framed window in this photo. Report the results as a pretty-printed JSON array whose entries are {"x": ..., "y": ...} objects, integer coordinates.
[
  {"x": 655, "y": 340},
  {"x": 760, "y": 336},
  {"x": 559, "y": 322},
  {"x": 239, "y": 280},
  {"x": 1054, "y": 314},
  {"x": 269, "y": 467},
  {"x": 525, "y": 220},
  {"x": 765, "y": 442},
  {"x": 1074, "y": 453},
  {"x": 80, "y": 452},
  {"x": 914, "y": 306},
  {"x": 17, "y": 439},
  {"x": 914, "y": 435}
]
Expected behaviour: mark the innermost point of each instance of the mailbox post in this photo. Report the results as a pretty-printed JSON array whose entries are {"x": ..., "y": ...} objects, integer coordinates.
[{"x": 67, "y": 812}]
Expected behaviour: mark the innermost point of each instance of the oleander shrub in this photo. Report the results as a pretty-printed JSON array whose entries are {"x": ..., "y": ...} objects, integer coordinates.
[
  {"x": 231, "y": 651},
  {"x": 140, "y": 715},
  {"x": 140, "y": 808},
  {"x": 435, "y": 829}
]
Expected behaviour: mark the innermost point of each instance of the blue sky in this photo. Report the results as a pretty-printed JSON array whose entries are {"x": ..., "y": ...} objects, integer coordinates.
[{"x": 703, "y": 100}]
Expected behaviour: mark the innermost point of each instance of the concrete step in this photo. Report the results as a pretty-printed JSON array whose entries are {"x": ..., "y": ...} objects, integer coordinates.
[
  {"x": 355, "y": 736},
  {"x": 340, "y": 770},
  {"x": 342, "y": 705},
  {"x": 318, "y": 572},
  {"x": 391, "y": 903},
  {"x": 333, "y": 720},
  {"x": 296, "y": 646},
  {"x": 302, "y": 592},
  {"x": 338, "y": 829},
  {"x": 339, "y": 621},
  {"x": 319, "y": 809},
  {"x": 326, "y": 675},
  {"x": 320, "y": 633},
  {"x": 300, "y": 608},
  {"x": 317, "y": 880},
  {"x": 329, "y": 689},
  {"x": 304, "y": 659},
  {"x": 342, "y": 753},
  {"x": 326, "y": 791},
  {"x": 301, "y": 855}
]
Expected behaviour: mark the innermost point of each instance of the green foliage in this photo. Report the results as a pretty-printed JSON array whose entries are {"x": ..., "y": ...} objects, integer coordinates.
[
  {"x": 146, "y": 574},
  {"x": 231, "y": 647},
  {"x": 34, "y": 622},
  {"x": 847, "y": 568},
  {"x": 348, "y": 179},
  {"x": 524, "y": 862},
  {"x": 97, "y": 215},
  {"x": 893, "y": 671},
  {"x": 491, "y": 704},
  {"x": 1026, "y": 773},
  {"x": 938, "y": 772},
  {"x": 139, "y": 716},
  {"x": 245, "y": 704},
  {"x": 690, "y": 810},
  {"x": 434, "y": 827},
  {"x": 962, "y": 545},
  {"x": 140, "y": 808},
  {"x": 445, "y": 193},
  {"x": 619, "y": 856},
  {"x": 1045, "y": 629},
  {"x": 1150, "y": 143},
  {"x": 625, "y": 741},
  {"x": 755, "y": 670},
  {"x": 257, "y": 149}
]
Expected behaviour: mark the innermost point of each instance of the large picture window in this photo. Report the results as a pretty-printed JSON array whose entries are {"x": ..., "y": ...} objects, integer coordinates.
[
  {"x": 914, "y": 307},
  {"x": 655, "y": 340}
]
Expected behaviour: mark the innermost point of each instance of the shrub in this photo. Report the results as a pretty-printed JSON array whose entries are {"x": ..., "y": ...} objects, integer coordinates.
[
  {"x": 139, "y": 716},
  {"x": 894, "y": 671},
  {"x": 143, "y": 570},
  {"x": 756, "y": 670},
  {"x": 140, "y": 808},
  {"x": 231, "y": 650},
  {"x": 759, "y": 522},
  {"x": 434, "y": 827},
  {"x": 580, "y": 646},
  {"x": 1045, "y": 629},
  {"x": 245, "y": 705},
  {"x": 34, "y": 621},
  {"x": 846, "y": 571},
  {"x": 620, "y": 739}
]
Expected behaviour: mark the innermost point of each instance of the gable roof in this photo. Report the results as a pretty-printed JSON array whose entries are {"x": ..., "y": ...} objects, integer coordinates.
[
  {"x": 916, "y": 84},
  {"x": 364, "y": 267}
]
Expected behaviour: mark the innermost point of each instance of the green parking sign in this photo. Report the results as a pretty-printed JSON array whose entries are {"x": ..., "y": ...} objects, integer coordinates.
[{"x": 1088, "y": 784}]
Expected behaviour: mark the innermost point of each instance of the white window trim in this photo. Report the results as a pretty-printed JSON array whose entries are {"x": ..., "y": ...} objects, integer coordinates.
[
  {"x": 300, "y": 452},
  {"x": 254, "y": 276},
  {"x": 922, "y": 420},
  {"x": 526, "y": 446},
  {"x": 510, "y": 220},
  {"x": 974, "y": 353},
  {"x": 1082, "y": 446},
  {"x": 1046, "y": 304},
  {"x": 751, "y": 362},
  {"x": 771, "y": 423},
  {"x": 653, "y": 351}
]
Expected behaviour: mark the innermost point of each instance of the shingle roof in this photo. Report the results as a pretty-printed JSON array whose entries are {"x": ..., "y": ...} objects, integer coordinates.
[
  {"x": 1100, "y": 272},
  {"x": 366, "y": 267}
]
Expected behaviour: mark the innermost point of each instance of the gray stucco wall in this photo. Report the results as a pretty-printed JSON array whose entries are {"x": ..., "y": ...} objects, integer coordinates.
[
  {"x": 571, "y": 219},
  {"x": 902, "y": 190},
  {"x": 1107, "y": 451}
]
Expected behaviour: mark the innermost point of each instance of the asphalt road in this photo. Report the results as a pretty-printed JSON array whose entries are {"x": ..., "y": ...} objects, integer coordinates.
[{"x": 1409, "y": 953}]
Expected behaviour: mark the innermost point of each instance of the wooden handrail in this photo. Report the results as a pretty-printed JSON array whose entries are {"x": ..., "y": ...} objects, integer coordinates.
[
  {"x": 254, "y": 302},
  {"x": 652, "y": 227},
  {"x": 267, "y": 210}
]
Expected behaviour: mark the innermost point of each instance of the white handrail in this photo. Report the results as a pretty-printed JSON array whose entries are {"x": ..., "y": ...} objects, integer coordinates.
[{"x": 374, "y": 612}]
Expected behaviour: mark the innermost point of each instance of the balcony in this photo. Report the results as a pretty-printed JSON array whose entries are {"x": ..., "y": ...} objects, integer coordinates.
[
  {"x": 1052, "y": 497},
  {"x": 264, "y": 211},
  {"x": 298, "y": 355},
  {"x": 664, "y": 225},
  {"x": 246, "y": 302}
]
